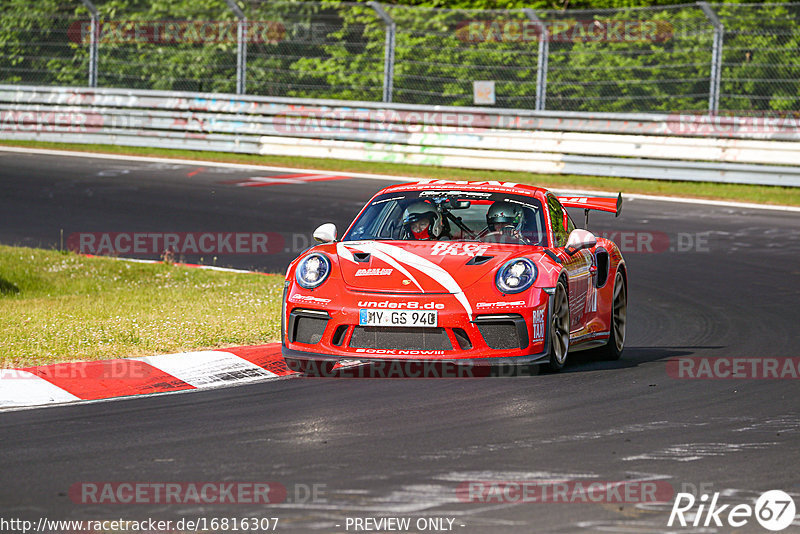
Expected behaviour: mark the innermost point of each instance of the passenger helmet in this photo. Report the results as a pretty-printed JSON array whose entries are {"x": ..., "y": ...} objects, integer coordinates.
[
  {"x": 417, "y": 211},
  {"x": 505, "y": 213}
]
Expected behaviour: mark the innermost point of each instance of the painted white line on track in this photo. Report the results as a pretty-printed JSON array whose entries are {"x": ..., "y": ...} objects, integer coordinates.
[
  {"x": 176, "y": 161},
  {"x": 190, "y": 265},
  {"x": 367, "y": 176},
  {"x": 208, "y": 368},
  {"x": 21, "y": 388}
]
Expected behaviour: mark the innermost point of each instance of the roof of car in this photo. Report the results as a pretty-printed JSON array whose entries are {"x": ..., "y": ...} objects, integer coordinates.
[{"x": 466, "y": 185}]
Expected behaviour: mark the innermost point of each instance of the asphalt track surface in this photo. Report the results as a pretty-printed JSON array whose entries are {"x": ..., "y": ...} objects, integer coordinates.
[{"x": 727, "y": 285}]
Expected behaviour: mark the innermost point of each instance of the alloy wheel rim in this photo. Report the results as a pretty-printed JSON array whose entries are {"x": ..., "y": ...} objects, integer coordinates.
[
  {"x": 620, "y": 312},
  {"x": 561, "y": 327}
]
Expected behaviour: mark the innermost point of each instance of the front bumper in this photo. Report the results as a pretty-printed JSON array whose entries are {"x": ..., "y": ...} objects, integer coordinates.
[{"x": 512, "y": 336}]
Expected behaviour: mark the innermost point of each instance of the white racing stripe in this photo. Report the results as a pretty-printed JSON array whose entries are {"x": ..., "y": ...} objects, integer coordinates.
[
  {"x": 425, "y": 266},
  {"x": 365, "y": 247},
  {"x": 344, "y": 252},
  {"x": 21, "y": 388},
  {"x": 208, "y": 368}
]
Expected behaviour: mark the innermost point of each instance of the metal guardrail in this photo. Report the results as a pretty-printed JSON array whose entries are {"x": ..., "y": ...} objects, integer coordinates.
[{"x": 654, "y": 146}]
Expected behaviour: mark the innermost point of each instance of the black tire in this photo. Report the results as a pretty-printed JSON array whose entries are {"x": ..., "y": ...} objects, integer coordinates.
[
  {"x": 559, "y": 330},
  {"x": 612, "y": 350}
]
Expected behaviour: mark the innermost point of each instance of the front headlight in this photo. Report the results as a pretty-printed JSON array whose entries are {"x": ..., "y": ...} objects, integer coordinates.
[
  {"x": 516, "y": 276},
  {"x": 313, "y": 270}
]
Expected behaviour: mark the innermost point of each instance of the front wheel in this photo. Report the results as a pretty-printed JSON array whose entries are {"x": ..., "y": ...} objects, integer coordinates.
[
  {"x": 559, "y": 330},
  {"x": 619, "y": 314}
]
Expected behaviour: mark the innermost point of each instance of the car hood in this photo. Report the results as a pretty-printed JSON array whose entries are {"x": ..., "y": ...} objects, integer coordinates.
[{"x": 421, "y": 266}]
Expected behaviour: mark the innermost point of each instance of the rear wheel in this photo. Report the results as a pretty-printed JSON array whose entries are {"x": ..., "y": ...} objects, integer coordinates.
[
  {"x": 619, "y": 315},
  {"x": 559, "y": 330}
]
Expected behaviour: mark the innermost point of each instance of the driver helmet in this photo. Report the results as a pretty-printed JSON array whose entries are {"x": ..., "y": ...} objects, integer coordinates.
[
  {"x": 416, "y": 215},
  {"x": 505, "y": 213}
]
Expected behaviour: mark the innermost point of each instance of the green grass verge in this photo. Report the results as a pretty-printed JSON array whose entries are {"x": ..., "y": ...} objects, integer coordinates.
[
  {"x": 60, "y": 307},
  {"x": 743, "y": 193}
]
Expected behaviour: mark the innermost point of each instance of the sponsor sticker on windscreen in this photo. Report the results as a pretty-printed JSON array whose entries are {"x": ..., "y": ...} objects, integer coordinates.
[{"x": 378, "y": 317}]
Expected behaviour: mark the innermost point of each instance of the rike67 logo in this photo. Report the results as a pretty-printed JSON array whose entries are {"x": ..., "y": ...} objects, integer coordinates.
[{"x": 774, "y": 510}]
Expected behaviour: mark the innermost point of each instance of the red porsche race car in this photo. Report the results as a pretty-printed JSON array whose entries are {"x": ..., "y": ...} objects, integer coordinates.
[{"x": 475, "y": 273}]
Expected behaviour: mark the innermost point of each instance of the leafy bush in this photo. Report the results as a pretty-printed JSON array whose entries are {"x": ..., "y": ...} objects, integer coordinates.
[{"x": 336, "y": 50}]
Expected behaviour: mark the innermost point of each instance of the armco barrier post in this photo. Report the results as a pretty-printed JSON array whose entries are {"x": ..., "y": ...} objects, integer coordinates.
[
  {"x": 388, "y": 57},
  {"x": 241, "y": 48},
  {"x": 541, "y": 64},
  {"x": 716, "y": 57},
  {"x": 95, "y": 27}
]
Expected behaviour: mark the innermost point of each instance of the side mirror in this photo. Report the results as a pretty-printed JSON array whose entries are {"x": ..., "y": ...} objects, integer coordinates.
[
  {"x": 326, "y": 233},
  {"x": 579, "y": 240}
]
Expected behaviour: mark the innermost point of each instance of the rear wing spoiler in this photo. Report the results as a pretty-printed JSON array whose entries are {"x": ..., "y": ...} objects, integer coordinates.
[{"x": 611, "y": 205}]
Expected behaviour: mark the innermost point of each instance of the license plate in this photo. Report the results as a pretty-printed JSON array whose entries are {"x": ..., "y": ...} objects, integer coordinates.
[{"x": 373, "y": 317}]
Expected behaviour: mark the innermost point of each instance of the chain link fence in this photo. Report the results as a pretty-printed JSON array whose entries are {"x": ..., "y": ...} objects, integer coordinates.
[
  {"x": 725, "y": 58},
  {"x": 760, "y": 57}
]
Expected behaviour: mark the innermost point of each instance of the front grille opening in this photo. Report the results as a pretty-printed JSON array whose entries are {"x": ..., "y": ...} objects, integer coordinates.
[
  {"x": 339, "y": 334},
  {"x": 500, "y": 335},
  {"x": 378, "y": 337},
  {"x": 503, "y": 332},
  {"x": 307, "y": 328},
  {"x": 462, "y": 338}
]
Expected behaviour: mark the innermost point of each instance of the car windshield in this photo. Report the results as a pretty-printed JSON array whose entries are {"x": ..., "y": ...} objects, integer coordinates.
[{"x": 452, "y": 215}]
